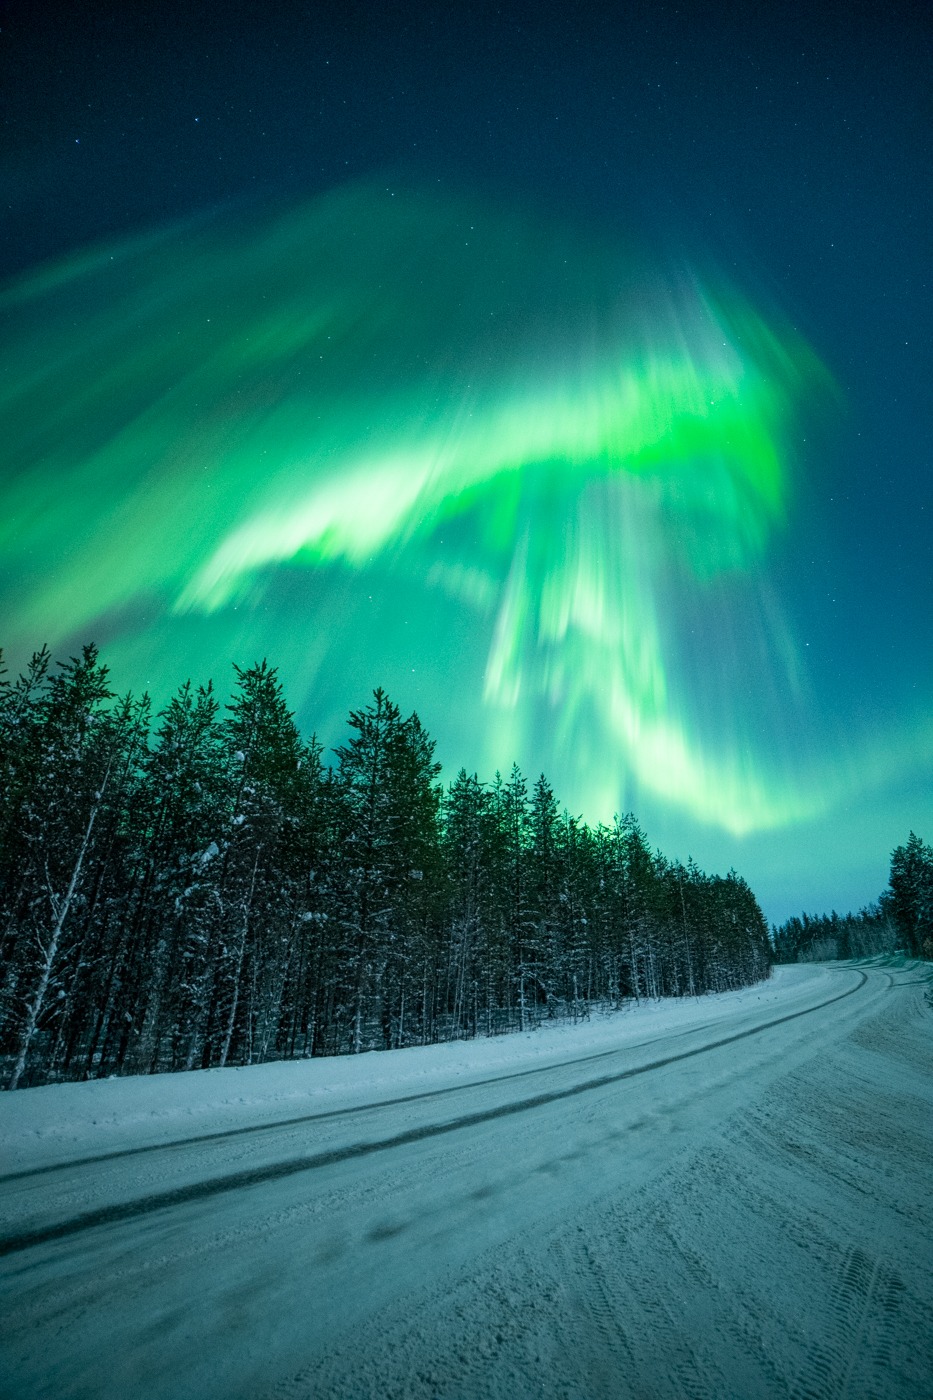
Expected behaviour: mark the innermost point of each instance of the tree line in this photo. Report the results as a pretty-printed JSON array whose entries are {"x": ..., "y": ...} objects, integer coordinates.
[
  {"x": 201, "y": 888},
  {"x": 901, "y": 919}
]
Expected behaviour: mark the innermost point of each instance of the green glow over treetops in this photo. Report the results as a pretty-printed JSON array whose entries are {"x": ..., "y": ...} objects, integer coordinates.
[{"x": 382, "y": 436}]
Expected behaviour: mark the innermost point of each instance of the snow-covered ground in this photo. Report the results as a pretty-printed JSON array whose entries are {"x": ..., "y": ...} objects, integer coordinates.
[
  {"x": 723, "y": 1197},
  {"x": 60, "y": 1122}
]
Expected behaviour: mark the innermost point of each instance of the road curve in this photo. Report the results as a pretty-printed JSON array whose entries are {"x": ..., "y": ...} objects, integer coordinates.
[
  {"x": 276, "y": 1171},
  {"x": 459, "y": 1242}
]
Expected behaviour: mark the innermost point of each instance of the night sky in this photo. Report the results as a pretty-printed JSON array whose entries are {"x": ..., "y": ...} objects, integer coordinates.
[{"x": 565, "y": 371}]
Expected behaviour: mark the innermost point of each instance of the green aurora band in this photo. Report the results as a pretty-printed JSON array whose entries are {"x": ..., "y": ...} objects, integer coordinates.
[{"x": 390, "y": 438}]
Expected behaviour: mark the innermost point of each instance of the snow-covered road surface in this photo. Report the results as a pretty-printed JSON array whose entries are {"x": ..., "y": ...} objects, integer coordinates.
[{"x": 726, "y": 1197}]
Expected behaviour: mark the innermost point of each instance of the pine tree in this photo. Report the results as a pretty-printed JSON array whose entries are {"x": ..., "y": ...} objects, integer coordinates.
[
  {"x": 517, "y": 920},
  {"x": 634, "y": 886},
  {"x": 387, "y": 773},
  {"x": 21, "y": 710},
  {"x": 73, "y": 757},
  {"x": 258, "y": 886},
  {"x": 218, "y": 896},
  {"x": 577, "y": 945},
  {"x": 911, "y": 887},
  {"x": 182, "y": 801},
  {"x": 545, "y": 882},
  {"x": 467, "y": 827}
]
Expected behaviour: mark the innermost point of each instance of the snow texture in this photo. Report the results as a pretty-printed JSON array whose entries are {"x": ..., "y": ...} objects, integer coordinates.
[{"x": 726, "y": 1197}]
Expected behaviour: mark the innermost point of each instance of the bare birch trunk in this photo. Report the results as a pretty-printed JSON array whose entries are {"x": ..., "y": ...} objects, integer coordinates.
[
  {"x": 231, "y": 1019},
  {"x": 60, "y": 909}
]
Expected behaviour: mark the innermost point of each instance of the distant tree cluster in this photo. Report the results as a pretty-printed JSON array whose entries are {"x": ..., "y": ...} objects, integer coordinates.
[
  {"x": 825, "y": 937},
  {"x": 902, "y": 918},
  {"x": 205, "y": 890}
]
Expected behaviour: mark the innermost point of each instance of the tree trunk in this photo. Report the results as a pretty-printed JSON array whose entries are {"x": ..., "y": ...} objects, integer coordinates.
[
  {"x": 231, "y": 1019},
  {"x": 60, "y": 909}
]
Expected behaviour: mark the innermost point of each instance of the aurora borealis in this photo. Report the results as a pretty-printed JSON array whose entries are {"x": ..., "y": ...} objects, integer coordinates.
[
  {"x": 546, "y": 477},
  {"x": 558, "y": 453}
]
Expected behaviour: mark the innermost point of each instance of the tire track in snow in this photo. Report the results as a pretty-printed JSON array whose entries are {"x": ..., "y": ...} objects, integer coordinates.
[
  {"x": 596, "y": 1283},
  {"x": 371, "y": 1106},
  {"x": 865, "y": 1301},
  {"x": 115, "y": 1214}
]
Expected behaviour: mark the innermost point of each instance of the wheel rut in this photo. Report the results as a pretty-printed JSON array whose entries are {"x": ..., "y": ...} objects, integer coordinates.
[{"x": 278, "y": 1171}]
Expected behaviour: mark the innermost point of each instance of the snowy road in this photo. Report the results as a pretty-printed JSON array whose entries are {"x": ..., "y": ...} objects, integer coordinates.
[{"x": 727, "y": 1197}]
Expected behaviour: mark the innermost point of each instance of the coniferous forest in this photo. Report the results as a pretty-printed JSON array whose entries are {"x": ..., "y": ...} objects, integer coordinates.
[
  {"x": 901, "y": 919},
  {"x": 203, "y": 888}
]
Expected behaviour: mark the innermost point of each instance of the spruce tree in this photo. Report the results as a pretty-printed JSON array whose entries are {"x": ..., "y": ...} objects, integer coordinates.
[
  {"x": 217, "y": 895},
  {"x": 911, "y": 888}
]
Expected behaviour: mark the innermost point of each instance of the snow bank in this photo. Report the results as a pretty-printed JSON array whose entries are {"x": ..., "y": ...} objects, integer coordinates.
[{"x": 61, "y": 1121}]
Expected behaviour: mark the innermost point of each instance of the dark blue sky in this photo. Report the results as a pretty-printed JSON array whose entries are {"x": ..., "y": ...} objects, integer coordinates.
[
  {"x": 795, "y": 142},
  {"x": 790, "y": 145}
]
